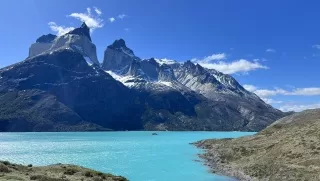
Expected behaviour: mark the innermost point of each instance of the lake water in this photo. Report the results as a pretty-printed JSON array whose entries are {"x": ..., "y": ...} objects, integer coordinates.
[{"x": 139, "y": 156}]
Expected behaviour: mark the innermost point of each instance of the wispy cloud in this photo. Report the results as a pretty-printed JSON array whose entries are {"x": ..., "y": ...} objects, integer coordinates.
[
  {"x": 112, "y": 19},
  {"x": 216, "y": 61},
  {"x": 97, "y": 10},
  {"x": 121, "y": 16},
  {"x": 249, "y": 87},
  {"x": 270, "y": 50},
  {"x": 299, "y": 107},
  {"x": 316, "y": 46},
  {"x": 127, "y": 29},
  {"x": 213, "y": 57},
  {"x": 93, "y": 21},
  {"x": 238, "y": 66},
  {"x": 264, "y": 93},
  {"x": 311, "y": 91},
  {"x": 60, "y": 30},
  {"x": 271, "y": 101}
]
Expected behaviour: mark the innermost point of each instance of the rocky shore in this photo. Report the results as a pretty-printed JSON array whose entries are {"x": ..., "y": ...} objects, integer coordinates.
[
  {"x": 58, "y": 172},
  {"x": 286, "y": 150}
]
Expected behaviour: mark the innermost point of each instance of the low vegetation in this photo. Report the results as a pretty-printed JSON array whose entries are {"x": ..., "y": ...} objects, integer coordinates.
[
  {"x": 289, "y": 149},
  {"x": 58, "y": 172}
]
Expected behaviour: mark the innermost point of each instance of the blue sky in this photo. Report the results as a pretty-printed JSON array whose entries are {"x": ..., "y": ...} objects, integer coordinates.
[{"x": 272, "y": 47}]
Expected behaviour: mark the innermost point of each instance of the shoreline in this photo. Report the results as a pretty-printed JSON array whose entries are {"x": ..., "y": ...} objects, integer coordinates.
[
  {"x": 212, "y": 159},
  {"x": 56, "y": 172}
]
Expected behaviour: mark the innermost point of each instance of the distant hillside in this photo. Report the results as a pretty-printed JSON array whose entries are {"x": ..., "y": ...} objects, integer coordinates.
[{"x": 289, "y": 149}]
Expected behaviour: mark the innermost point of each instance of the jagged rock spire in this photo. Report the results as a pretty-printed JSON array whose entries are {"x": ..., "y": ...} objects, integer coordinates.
[
  {"x": 118, "y": 55},
  {"x": 84, "y": 25},
  {"x": 83, "y": 30}
]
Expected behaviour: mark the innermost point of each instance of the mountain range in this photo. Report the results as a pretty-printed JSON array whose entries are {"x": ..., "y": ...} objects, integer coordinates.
[{"x": 61, "y": 86}]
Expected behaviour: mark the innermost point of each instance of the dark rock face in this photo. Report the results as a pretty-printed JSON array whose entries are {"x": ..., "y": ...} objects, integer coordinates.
[
  {"x": 118, "y": 57},
  {"x": 135, "y": 69},
  {"x": 46, "y": 38},
  {"x": 151, "y": 68},
  {"x": 36, "y": 110},
  {"x": 88, "y": 92},
  {"x": 84, "y": 30},
  {"x": 119, "y": 44},
  {"x": 166, "y": 73}
]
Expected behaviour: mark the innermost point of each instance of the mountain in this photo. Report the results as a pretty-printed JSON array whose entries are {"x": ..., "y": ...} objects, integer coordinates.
[
  {"x": 61, "y": 87},
  {"x": 286, "y": 150},
  {"x": 217, "y": 88},
  {"x": 226, "y": 90}
]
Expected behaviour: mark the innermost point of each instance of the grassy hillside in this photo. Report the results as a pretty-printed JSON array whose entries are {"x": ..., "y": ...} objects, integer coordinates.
[{"x": 289, "y": 149}]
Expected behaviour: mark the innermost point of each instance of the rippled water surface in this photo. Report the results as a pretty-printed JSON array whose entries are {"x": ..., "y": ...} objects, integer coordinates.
[{"x": 138, "y": 156}]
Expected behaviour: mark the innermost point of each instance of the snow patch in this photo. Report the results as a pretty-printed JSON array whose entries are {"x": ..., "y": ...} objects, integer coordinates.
[
  {"x": 114, "y": 75},
  {"x": 88, "y": 60},
  {"x": 165, "y": 61},
  {"x": 169, "y": 84},
  {"x": 128, "y": 81}
]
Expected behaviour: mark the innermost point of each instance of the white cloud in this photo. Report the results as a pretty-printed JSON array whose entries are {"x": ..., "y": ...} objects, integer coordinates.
[
  {"x": 112, "y": 19},
  {"x": 268, "y": 93},
  {"x": 121, "y": 16},
  {"x": 250, "y": 88},
  {"x": 97, "y": 10},
  {"x": 238, "y": 66},
  {"x": 298, "y": 108},
  {"x": 263, "y": 93},
  {"x": 271, "y": 101},
  {"x": 270, "y": 50},
  {"x": 126, "y": 29},
  {"x": 311, "y": 91},
  {"x": 92, "y": 21},
  {"x": 218, "y": 56},
  {"x": 316, "y": 46},
  {"x": 60, "y": 30}
]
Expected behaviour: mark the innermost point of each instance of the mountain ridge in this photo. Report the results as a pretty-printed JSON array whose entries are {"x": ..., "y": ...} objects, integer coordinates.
[{"x": 125, "y": 93}]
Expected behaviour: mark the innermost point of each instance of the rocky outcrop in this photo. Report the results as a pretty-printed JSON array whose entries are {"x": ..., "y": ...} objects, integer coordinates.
[
  {"x": 78, "y": 39},
  {"x": 166, "y": 73},
  {"x": 151, "y": 68},
  {"x": 118, "y": 57},
  {"x": 46, "y": 38},
  {"x": 83, "y": 30},
  {"x": 41, "y": 45}
]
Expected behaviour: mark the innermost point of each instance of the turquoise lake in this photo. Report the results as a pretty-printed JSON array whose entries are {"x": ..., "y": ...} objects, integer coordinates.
[{"x": 139, "y": 156}]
